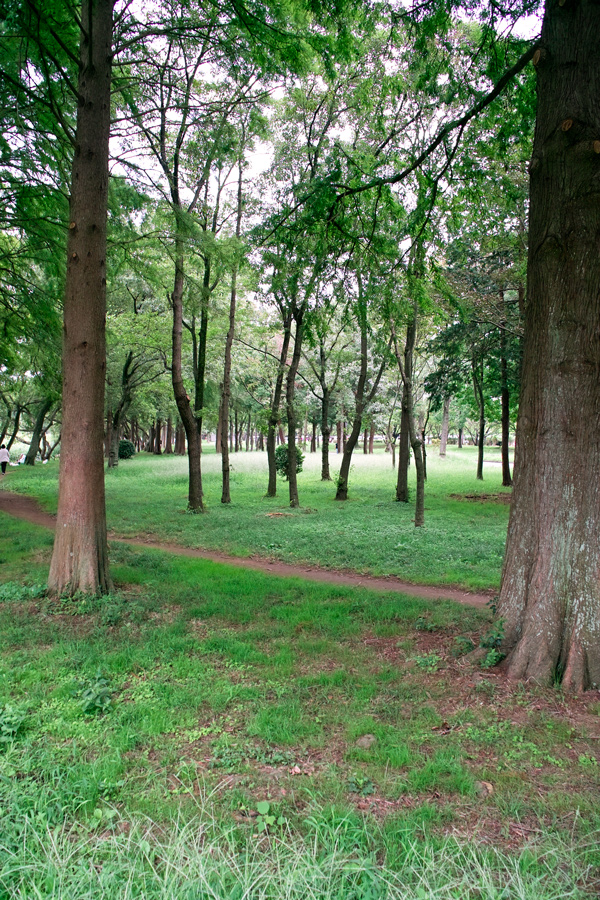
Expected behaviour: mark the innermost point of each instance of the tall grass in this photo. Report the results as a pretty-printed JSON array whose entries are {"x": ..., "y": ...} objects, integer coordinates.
[{"x": 336, "y": 860}]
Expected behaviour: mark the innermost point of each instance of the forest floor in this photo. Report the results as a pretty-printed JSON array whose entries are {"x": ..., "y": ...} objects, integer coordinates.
[
  {"x": 28, "y": 509},
  {"x": 209, "y": 730}
]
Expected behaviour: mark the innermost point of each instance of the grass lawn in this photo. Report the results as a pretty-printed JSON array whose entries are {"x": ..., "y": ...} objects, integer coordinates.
[
  {"x": 208, "y": 732},
  {"x": 462, "y": 542}
]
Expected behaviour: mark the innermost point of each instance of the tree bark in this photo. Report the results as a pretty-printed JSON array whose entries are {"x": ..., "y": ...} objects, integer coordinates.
[
  {"x": 169, "y": 438},
  {"x": 325, "y": 434},
  {"x": 186, "y": 413},
  {"x": 290, "y": 390},
  {"x": 505, "y": 406},
  {"x": 445, "y": 423},
  {"x": 226, "y": 388},
  {"x": 34, "y": 445},
  {"x": 550, "y": 596},
  {"x": 477, "y": 374},
  {"x": 406, "y": 372},
  {"x": 274, "y": 411},
  {"x": 402, "y": 492},
  {"x": 80, "y": 554}
]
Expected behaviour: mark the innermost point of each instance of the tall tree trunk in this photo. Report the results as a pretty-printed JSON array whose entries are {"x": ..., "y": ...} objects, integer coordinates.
[
  {"x": 38, "y": 427},
  {"x": 406, "y": 372},
  {"x": 325, "y": 434},
  {"x": 445, "y": 424},
  {"x": 226, "y": 387},
  {"x": 550, "y": 595},
  {"x": 158, "y": 438},
  {"x": 80, "y": 554},
  {"x": 505, "y": 405},
  {"x": 313, "y": 438},
  {"x": 371, "y": 437},
  {"x": 477, "y": 374},
  {"x": 275, "y": 403},
  {"x": 366, "y": 441},
  {"x": 186, "y": 413},
  {"x": 15, "y": 431},
  {"x": 290, "y": 390},
  {"x": 169, "y": 438},
  {"x": 108, "y": 434},
  {"x": 460, "y": 438},
  {"x": 402, "y": 492}
]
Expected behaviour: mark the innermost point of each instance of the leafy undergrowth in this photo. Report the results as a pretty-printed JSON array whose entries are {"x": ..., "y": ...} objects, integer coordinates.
[{"x": 209, "y": 732}]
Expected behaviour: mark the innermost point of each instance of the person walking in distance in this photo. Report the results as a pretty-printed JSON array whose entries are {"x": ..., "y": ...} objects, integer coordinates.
[{"x": 4, "y": 458}]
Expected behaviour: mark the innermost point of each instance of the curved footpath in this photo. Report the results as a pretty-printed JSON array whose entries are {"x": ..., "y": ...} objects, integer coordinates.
[{"x": 23, "y": 507}]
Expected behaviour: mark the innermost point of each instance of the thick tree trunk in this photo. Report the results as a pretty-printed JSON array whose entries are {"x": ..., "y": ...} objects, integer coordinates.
[
  {"x": 550, "y": 596},
  {"x": 290, "y": 390},
  {"x": 274, "y": 411},
  {"x": 169, "y": 438},
  {"x": 80, "y": 555},
  {"x": 445, "y": 423},
  {"x": 371, "y": 438}
]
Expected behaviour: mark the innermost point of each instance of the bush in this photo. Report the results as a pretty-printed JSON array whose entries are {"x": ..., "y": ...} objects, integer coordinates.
[
  {"x": 281, "y": 460},
  {"x": 126, "y": 449}
]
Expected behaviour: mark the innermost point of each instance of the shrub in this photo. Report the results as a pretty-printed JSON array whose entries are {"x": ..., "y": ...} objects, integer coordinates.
[
  {"x": 126, "y": 449},
  {"x": 281, "y": 460}
]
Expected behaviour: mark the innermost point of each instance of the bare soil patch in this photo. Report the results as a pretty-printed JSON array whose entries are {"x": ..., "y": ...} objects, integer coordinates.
[{"x": 484, "y": 498}]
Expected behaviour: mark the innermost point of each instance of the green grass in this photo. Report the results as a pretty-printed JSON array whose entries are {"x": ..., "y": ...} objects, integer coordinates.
[
  {"x": 141, "y": 733},
  {"x": 462, "y": 542}
]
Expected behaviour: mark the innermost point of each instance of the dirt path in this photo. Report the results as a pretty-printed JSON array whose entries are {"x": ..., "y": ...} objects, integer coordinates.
[{"x": 23, "y": 507}]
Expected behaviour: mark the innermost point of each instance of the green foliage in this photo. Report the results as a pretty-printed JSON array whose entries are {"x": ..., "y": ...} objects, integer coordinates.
[
  {"x": 462, "y": 646},
  {"x": 492, "y": 641},
  {"x": 11, "y": 724},
  {"x": 266, "y": 819},
  {"x": 126, "y": 449},
  {"x": 360, "y": 784},
  {"x": 429, "y": 662},
  {"x": 95, "y": 695},
  {"x": 12, "y": 591},
  {"x": 281, "y": 460}
]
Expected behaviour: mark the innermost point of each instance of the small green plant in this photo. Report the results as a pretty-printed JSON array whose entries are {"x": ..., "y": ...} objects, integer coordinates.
[
  {"x": 11, "y": 724},
  {"x": 96, "y": 696},
  {"x": 492, "y": 642},
  {"x": 462, "y": 646},
  {"x": 266, "y": 819},
  {"x": 12, "y": 591},
  {"x": 429, "y": 662},
  {"x": 492, "y": 658},
  {"x": 494, "y": 637},
  {"x": 360, "y": 784},
  {"x": 126, "y": 449},
  {"x": 281, "y": 460},
  {"x": 422, "y": 623}
]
